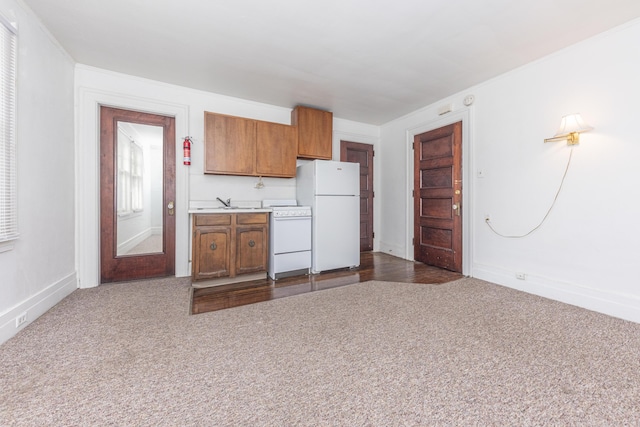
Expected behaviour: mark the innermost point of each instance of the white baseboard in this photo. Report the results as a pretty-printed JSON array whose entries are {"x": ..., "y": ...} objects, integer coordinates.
[
  {"x": 131, "y": 243},
  {"x": 35, "y": 306},
  {"x": 392, "y": 249},
  {"x": 614, "y": 304}
]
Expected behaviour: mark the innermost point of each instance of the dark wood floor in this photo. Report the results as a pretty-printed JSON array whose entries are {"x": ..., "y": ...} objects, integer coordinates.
[{"x": 373, "y": 266}]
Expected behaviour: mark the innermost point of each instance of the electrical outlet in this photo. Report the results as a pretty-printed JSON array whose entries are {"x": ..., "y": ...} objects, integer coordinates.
[
  {"x": 22, "y": 318},
  {"x": 521, "y": 276}
]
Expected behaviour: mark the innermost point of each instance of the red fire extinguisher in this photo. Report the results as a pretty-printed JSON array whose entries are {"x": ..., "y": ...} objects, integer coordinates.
[{"x": 186, "y": 150}]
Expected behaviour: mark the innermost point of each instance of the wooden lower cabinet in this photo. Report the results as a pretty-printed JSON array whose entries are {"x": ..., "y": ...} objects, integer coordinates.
[
  {"x": 229, "y": 245},
  {"x": 212, "y": 247},
  {"x": 251, "y": 249}
]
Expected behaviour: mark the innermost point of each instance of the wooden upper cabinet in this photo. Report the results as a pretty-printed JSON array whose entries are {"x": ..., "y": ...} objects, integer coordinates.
[
  {"x": 239, "y": 146},
  {"x": 315, "y": 132},
  {"x": 229, "y": 144},
  {"x": 276, "y": 148}
]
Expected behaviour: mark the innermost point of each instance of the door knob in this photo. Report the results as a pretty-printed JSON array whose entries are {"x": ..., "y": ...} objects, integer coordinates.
[
  {"x": 456, "y": 208},
  {"x": 170, "y": 207}
]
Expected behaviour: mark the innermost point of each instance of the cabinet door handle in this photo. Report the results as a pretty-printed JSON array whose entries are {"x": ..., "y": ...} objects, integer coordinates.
[
  {"x": 251, "y": 243},
  {"x": 213, "y": 246}
]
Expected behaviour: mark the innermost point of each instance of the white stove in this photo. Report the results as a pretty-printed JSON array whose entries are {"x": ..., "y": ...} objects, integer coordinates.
[
  {"x": 289, "y": 238},
  {"x": 291, "y": 211}
]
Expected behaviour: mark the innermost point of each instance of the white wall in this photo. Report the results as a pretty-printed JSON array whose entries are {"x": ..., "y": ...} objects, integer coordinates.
[
  {"x": 587, "y": 250},
  {"x": 39, "y": 269},
  {"x": 96, "y": 86}
]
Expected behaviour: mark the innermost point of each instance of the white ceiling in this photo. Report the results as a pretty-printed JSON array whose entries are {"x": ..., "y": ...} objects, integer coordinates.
[{"x": 365, "y": 60}]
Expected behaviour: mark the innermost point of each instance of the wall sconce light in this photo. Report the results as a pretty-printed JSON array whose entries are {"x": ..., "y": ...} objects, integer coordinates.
[{"x": 570, "y": 128}]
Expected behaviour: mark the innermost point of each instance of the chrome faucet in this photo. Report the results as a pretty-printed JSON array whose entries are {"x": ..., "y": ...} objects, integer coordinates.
[{"x": 227, "y": 204}]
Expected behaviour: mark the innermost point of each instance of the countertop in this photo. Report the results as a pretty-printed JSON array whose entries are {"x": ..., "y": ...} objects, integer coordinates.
[
  {"x": 228, "y": 210},
  {"x": 237, "y": 206}
]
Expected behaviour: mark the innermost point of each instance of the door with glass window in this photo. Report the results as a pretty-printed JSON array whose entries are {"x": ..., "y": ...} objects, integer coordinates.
[{"x": 137, "y": 195}]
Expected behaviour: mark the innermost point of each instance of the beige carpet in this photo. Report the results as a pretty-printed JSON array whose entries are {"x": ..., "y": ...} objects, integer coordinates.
[{"x": 371, "y": 354}]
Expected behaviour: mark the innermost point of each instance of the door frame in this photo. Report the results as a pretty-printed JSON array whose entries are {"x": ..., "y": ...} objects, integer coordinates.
[
  {"x": 343, "y": 158},
  {"x": 88, "y": 178},
  {"x": 465, "y": 117}
]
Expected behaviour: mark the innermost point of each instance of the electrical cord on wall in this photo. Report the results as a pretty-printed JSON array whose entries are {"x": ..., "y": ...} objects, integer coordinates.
[{"x": 488, "y": 221}]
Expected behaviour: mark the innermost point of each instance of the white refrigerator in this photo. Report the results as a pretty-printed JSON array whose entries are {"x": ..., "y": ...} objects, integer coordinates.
[{"x": 332, "y": 189}]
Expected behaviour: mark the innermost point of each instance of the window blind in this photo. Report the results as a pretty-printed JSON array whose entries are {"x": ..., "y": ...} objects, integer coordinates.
[{"x": 8, "y": 166}]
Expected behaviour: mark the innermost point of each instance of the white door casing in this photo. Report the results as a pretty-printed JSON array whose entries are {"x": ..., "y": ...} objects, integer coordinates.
[{"x": 88, "y": 178}]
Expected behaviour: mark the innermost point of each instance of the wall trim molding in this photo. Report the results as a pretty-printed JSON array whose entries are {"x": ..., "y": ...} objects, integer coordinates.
[
  {"x": 36, "y": 305},
  {"x": 623, "y": 306}
]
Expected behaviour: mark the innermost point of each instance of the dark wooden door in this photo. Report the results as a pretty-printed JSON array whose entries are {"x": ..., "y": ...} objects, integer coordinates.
[
  {"x": 356, "y": 152},
  {"x": 159, "y": 260},
  {"x": 438, "y": 197}
]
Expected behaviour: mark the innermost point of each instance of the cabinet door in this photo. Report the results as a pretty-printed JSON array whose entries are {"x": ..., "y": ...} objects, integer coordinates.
[
  {"x": 315, "y": 132},
  {"x": 211, "y": 252},
  {"x": 276, "y": 148},
  {"x": 229, "y": 144},
  {"x": 251, "y": 249}
]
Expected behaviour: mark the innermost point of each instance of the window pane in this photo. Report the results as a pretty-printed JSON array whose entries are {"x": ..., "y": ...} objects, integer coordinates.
[{"x": 8, "y": 173}]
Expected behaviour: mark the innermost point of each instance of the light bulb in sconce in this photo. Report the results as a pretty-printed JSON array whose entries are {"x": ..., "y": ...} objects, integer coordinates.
[
  {"x": 570, "y": 128},
  {"x": 259, "y": 184}
]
